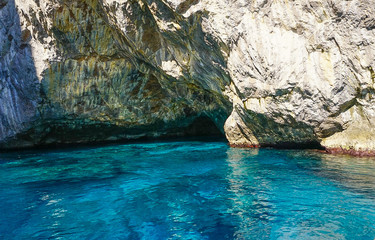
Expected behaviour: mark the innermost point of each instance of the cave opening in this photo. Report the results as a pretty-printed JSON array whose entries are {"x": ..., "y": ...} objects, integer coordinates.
[{"x": 203, "y": 126}]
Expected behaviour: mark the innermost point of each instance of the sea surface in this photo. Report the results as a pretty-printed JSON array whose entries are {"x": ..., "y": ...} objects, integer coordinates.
[{"x": 185, "y": 190}]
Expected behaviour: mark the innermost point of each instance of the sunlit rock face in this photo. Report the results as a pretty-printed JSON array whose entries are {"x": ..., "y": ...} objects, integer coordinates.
[
  {"x": 275, "y": 72},
  {"x": 302, "y": 71}
]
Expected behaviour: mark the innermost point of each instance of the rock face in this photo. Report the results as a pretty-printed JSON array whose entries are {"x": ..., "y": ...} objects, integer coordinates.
[
  {"x": 115, "y": 70},
  {"x": 277, "y": 73},
  {"x": 302, "y": 72},
  {"x": 19, "y": 86}
]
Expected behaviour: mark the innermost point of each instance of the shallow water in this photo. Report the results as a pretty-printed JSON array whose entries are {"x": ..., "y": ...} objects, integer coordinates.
[{"x": 185, "y": 190}]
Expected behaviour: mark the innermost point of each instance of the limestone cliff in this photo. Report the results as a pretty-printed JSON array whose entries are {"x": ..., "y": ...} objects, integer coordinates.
[
  {"x": 276, "y": 72},
  {"x": 114, "y": 70},
  {"x": 302, "y": 71}
]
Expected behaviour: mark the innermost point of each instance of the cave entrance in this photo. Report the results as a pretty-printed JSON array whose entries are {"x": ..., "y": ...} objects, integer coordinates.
[{"x": 203, "y": 126}]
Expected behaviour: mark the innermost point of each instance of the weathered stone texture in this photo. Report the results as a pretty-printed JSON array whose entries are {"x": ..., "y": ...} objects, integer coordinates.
[{"x": 284, "y": 72}]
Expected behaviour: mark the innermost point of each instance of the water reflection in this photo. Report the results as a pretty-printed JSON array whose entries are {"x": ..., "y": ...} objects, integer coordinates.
[
  {"x": 357, "y": 174},
  {"x": 189, "y": 190},
  {"x": 300, "y": 195},
  {"x": 251, "y": 202}
]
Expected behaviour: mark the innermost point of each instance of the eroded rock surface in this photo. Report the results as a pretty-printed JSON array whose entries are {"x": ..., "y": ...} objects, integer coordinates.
[
  {"x": 113, "y": 70},
  {"x": 302, "y": 71},
  {"x": 276, "y": 72},
  {"x": 19, "y": 87}
]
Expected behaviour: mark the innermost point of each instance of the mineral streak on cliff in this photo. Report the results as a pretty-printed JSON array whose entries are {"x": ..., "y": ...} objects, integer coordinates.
[
  {"x": 119, "y": 70},
  {"x": 19, "y": 88},
  {"x": 276, "y": 72}
]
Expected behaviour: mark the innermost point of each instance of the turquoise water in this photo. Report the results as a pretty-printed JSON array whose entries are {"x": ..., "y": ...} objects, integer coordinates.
[{"x": 185, "y": 190}]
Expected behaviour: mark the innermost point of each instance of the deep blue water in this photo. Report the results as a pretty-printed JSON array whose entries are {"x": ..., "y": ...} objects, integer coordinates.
[{"x": 185, "y": 190}]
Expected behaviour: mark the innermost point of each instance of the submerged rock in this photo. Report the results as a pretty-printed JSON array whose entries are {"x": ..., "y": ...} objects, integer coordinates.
[{"x": 277, "y": 73}]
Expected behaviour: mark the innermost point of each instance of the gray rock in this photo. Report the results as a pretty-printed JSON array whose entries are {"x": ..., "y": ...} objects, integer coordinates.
[{"x": 284, "y": 72}]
